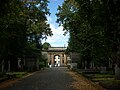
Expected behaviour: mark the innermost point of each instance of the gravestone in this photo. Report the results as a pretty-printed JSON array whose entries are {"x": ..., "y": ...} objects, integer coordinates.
[
  {"x": 3, "y": 65},
  {"x": 8, "y": 66},
  {"x": 74, "y": 60},
  {"x": 103, "y": 70}
]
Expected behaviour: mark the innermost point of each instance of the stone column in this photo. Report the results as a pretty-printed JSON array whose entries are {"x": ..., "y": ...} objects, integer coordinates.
[
  {"x": 61, "y": 58},
  {"x": 65, "y": 62},
  {"x": 52, "y": 61},
  {"x": 49, "y": 58}
]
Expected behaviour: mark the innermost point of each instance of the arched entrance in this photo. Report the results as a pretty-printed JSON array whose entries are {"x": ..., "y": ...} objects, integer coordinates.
[
  {"x": 57, "y": 56},
  {"x": 57, "y": 60}
]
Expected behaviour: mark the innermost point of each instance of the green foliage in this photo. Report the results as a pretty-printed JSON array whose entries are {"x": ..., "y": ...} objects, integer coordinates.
[
  {"x": 46, "y": 45},
  {"x": 93, "y": 26},
  {"x": 22, "y": 25},
  {"x": 43, "y": 61}
]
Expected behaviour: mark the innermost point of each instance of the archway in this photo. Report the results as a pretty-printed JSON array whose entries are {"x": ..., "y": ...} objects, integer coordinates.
[
  {"x": 57, "y": 60},
  {"x": 57, "y": 56}
]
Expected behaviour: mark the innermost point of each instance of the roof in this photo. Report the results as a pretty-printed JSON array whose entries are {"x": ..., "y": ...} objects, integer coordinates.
[{"x": 58, "y": 49}]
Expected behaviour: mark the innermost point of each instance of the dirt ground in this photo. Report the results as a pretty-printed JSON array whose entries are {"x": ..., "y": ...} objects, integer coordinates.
[{"x": 82, "y": 83}]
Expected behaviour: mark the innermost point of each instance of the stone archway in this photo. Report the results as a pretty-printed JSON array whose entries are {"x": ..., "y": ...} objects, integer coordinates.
[
  {"x": 57, "y": 60},
  {"x": 57, "y": 56}
]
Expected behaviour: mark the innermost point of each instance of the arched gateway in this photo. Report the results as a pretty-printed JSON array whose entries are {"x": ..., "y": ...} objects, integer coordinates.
[{"x": 57, "y": 56}]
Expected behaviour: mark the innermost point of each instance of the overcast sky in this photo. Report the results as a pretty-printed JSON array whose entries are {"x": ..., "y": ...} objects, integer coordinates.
[{"x": 58, "y": 39}]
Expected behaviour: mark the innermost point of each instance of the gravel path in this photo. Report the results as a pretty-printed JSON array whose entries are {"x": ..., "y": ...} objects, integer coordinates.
[{"x": 56, "y": 78}]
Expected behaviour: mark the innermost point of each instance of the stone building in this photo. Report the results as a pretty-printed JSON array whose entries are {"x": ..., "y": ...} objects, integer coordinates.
[{"x": 57, "y": 56}]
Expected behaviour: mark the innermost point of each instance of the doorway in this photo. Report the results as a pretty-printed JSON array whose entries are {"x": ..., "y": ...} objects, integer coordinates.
[{"x": 57, "y": 61}]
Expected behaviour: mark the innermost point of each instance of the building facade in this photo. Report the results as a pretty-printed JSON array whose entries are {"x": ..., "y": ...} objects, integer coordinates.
[{"x": 57, "y": 56}]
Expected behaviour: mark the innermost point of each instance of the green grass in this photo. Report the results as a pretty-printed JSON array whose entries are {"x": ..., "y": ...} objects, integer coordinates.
[
  {"x": 20, "y": 74},
  {"x": 99, "y": 75},
  {"x": 88, "y": 75},
  {"x": 101, "y": 79},
  {"x": 5, "y": 76},
  {"x": 110, "y": 84},
  {"x": 105, "y": 80},
  {"x": 17, "y": 74},
  {"x": 103, "y": 75}
]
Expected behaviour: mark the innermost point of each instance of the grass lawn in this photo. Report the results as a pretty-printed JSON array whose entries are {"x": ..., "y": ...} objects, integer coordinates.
[
  {"x": 8, "y": 75},
  {"x": 17, "y": 74},
  {"x": 105, "y": 80},
  {"x": 92, "y": 76},
  {"x": 101, "y": 79},
  {"x": 110, "y": 84}
]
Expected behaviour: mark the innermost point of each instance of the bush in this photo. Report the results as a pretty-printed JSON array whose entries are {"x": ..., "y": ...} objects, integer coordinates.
[{"x": 41, "y": 64}]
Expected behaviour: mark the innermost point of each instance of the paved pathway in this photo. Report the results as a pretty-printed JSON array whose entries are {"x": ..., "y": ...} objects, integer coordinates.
[{"x": 57, "y": 78}]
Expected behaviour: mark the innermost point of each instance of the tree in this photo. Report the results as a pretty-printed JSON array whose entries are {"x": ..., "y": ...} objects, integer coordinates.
[
  {"x": 78, "y": 27},
  {"x": 93, "y": 26},
  {"x": 113, "y": 32},
  {"x": 22, "y": 24},
  {"x": 46, "y": 45}
]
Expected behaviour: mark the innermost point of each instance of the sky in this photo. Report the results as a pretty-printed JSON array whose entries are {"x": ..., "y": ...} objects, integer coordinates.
[{"x": 58, "y": 39}]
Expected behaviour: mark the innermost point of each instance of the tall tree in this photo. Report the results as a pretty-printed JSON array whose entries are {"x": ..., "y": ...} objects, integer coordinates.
[
  {"x": 46, "y": 45},
  {"x": 93, "y": 26},
  {"x": 22, "y": 23}
]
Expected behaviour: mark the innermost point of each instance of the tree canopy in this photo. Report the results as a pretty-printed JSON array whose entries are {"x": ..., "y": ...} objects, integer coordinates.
[
  {"x": 23, "y": 24},
  {"x": 93, "y": 26},
  {"x": 46, "y": 45}
]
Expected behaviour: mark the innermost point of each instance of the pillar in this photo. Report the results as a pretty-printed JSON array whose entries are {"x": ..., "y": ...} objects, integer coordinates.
[
  {"x": 61, "y": 58},
  {"x": 65, "y": 61},
  {"x": 52, "y": 61},
  {"x": 49, "y": 57}
]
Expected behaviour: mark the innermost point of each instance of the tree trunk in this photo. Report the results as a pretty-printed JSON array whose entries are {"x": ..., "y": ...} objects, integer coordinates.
[{"x": 117, "y": 72}]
